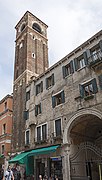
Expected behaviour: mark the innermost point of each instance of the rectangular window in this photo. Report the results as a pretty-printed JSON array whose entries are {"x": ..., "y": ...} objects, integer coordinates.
[
  {"x": 58, "y": 99},
  {"x": 89, "y": 88},
  {"x": 27, "y": 95},
  {"x": 38, "y": 133},
  {"x": 26, "y": 115},
  {"x": 27, "y": 138},
  {"x": 50, "y": 81},
  {"x": 2, "y": 149},
  {"x": 39, "y": 88},
  {"x": 58, "y": 127},
  {"x": 81, "y": 63},
  {"x": 37, "y": 109},
  {"x": 4, "y": 128},
  {"x": 42, "y": 133},
  {"x": 68, "y": 69},
  {"x": 5, "y": 106}
]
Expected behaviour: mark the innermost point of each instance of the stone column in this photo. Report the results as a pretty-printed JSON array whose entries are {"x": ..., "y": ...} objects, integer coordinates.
[{"x": 66, "y": 162}]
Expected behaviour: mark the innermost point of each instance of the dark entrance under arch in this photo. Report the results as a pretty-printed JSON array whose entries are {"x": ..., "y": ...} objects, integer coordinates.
[{"x": 86, "y": 138}]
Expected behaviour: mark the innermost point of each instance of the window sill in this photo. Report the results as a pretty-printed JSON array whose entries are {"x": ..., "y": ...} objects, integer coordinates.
[
  {"x": 88, "y": 97},
  {"x": 67, "y": 76},
  {"x": 81, "y": 68}
]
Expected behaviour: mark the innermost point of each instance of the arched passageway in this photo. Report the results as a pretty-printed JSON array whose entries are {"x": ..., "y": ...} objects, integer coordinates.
[{"x": 85, "y": 136}]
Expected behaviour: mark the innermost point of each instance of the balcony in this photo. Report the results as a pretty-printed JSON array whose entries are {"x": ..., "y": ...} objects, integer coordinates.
[
  {"x": 95, "y": 59},
  {"x": 41, "y": 140}
]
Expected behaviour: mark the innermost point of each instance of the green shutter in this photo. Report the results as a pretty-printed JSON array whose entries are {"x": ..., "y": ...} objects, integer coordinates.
[
  {"x": 46, "y": 83},
  {"x": 36, "y": 110},
  {"x": 36, "y": 89},
  {"x": 53, "y": 79},
  {"x": 25, "y": 115},
  {"x": 85, "y": 57},
  {"x": 81, "y": 89},
  {"x": 100, "y": 44},
  {"x": 63, "y": 71},
  {"x": 62, "y": 96},
  {"x": 94, "y": 84},
  {"x": 53, "y": 101},
  {"x": 40, "y": 107},
  {"x": 41, "y": 86},
  {"x": 100, "y": 81},
  {"x": 76, "y": 64},
  {"x": 71, "y": 66}
]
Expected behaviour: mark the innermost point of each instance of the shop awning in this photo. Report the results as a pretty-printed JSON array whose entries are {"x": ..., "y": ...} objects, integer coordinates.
[
  {"x": 20, "y": 158},
  {"x": 45, "y": 150}
]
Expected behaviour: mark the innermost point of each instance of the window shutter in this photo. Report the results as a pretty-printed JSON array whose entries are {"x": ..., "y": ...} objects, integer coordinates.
[
  {"x": 85, "y": 57},
  {"x": 46, "y": 83},
  {"x": 76, "y": 64},
  {"x": 100, "y": 81},
  {"x": 71, "y": 66},
  {"x": 94, "y": 84},
  {"x": 36, "y": 110},
  {"x": 40, "y": 107},
  {"x": 88, "y": 53},
  {"x": 25, "y": 115},
  {"x": 41, "y": 86},
  {"x": 53, "y": 101},
  {"x": 36, "y": 89},
  {"x": 63, "y": 71},
  {"x": 100, "y": 44},
  {"x": 81, "y": 89},
  {"x": 53, "y": 79},
  {"x": 62, "y": 96}
]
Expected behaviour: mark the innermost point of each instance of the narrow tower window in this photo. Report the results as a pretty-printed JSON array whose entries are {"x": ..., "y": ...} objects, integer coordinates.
[{"x": 36, "y": 27}]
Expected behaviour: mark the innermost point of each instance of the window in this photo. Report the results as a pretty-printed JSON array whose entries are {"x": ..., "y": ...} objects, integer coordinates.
[
  {"x": 39, "y": 88},
  {"x": 37, "y": 109},
  {"x": 27, "y": 95},
  {"x": 36, "y": 27},
  {"x": 50, "y": 81},
  {"x": 58, "y": 99},
  {"x": 33, "y": 55},
  {"x": 81, "y": 61},
  {"x": 21, "y": 45},
  {"x": 27, "y": 141},
  {"x": 68, "y": 69},
  {"x": 5, "y": 106},
  {"x": 22, "y": 27},
  {"x": 100, "y": 81},
  {"x": 89, "y": 88},
  {"x": 26, "y": 115},
  {"x": 58, "y": 127},
  {"x": 4, "y": 128},
  {"x": 42, "y": 133},
  {"x": 2, "y": 149}
]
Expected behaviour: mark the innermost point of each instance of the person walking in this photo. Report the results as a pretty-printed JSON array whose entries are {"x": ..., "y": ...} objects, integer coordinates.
[
  {"x": 16, "y": 172},
  {"x": 8, "y": 174}
]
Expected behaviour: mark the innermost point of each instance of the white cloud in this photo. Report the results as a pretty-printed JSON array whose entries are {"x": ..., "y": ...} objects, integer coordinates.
[{"x": 70, "y": 24}]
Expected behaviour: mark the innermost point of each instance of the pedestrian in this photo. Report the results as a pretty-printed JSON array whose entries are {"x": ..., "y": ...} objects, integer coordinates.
[
  {"x": 16, "y": 172},
  {"x": 8, "y": 174},
  {"x": 40, "y": 177},
  {"x": 1, "y": 172}
]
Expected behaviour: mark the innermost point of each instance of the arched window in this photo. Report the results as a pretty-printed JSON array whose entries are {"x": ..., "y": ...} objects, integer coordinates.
[
  {"x": 36, "y": 27},
  {"x": 22, "y": 27}
]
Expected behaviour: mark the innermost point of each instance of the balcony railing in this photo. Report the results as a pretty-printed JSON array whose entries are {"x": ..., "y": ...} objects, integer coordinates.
[
  {"x": 40, "y": 140},
  {"x": 95, "y": 59}
]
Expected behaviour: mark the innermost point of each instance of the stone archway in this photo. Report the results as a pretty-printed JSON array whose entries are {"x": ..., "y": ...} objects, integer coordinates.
[{"x": 84, "y": 135}]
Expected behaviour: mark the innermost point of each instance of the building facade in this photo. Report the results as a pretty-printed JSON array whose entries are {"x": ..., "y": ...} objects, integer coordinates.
[
  {"x": 6, "y": 114},
  {"x": 61, "y": 110}
]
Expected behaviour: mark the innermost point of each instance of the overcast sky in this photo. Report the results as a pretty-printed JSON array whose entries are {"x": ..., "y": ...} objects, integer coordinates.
[{"x": 70, "y": 23}]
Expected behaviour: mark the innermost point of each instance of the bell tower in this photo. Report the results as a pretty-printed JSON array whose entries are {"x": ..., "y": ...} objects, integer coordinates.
[{"x": 31, "y": 59}]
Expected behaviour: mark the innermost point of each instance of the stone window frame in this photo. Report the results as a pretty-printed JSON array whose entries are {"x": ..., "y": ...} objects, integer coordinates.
[
  {"x": 40, "y": 138},
  {"x": 50, "y": 81},
  {"x": 58, "y": 98},
  {"x": 27, "y": 141}
]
